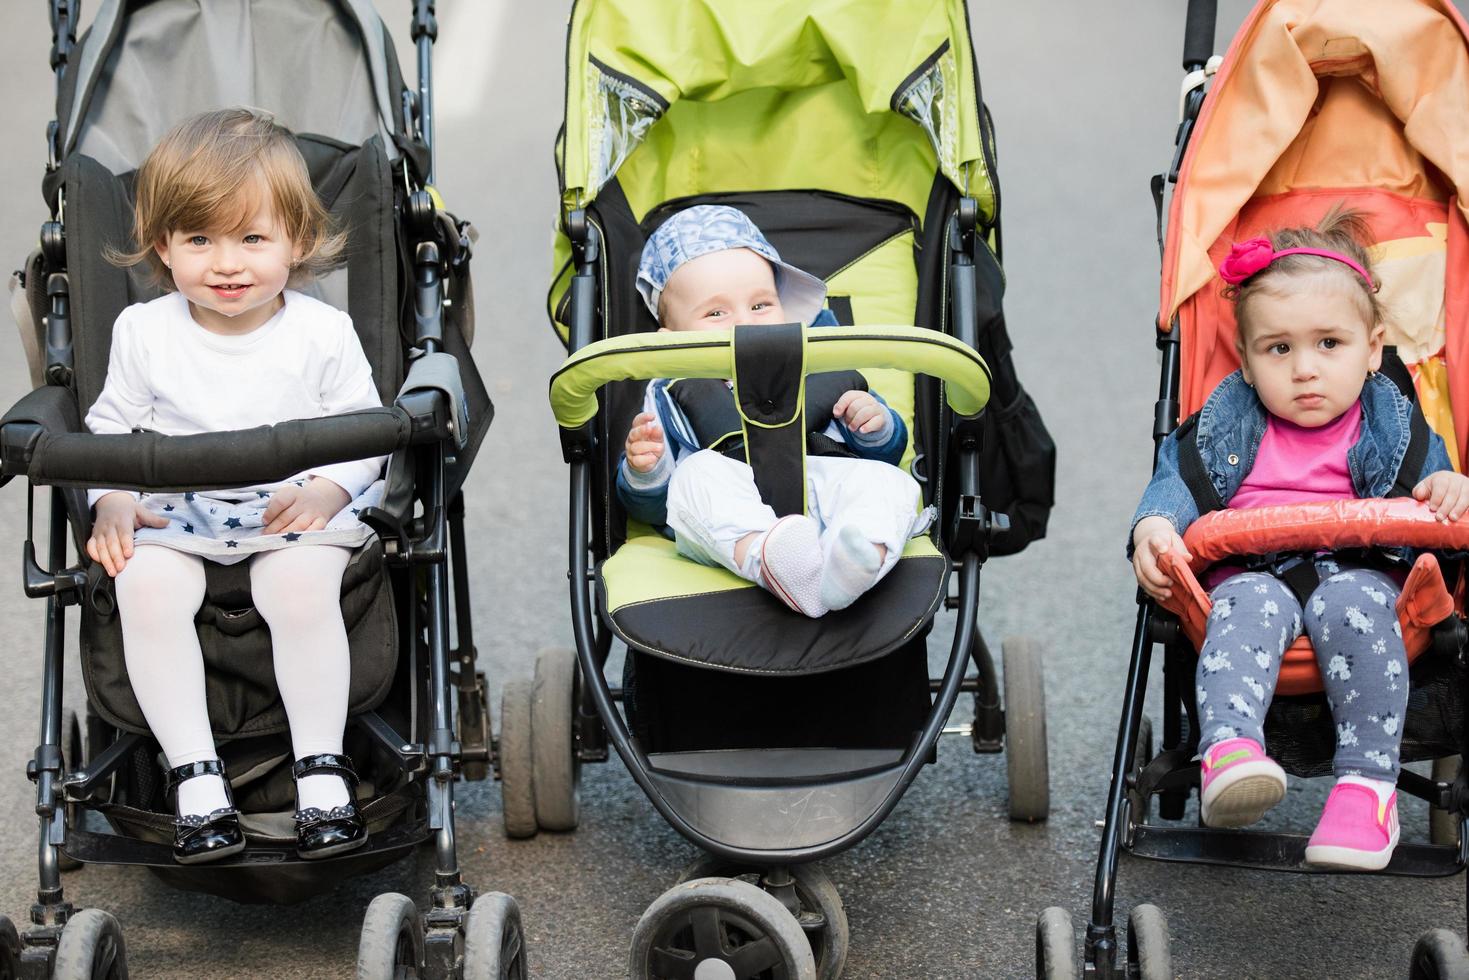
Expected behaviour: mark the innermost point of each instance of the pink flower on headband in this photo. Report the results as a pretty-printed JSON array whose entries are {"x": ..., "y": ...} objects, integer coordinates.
[{"x": 1245, "y": 259}]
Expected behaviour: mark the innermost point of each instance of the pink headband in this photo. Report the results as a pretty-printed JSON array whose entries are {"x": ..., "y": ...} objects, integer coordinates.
[{"x": 1247, "y": 258}]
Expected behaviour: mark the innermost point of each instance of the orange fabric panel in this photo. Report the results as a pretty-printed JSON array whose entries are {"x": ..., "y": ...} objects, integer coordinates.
[
  {"x": 1424, "y": 601},
  {"x": 1329, "y": 524},
  {"x": 1397, "y": 222},
  {"x": 1456, "y": 317},
  {"x": 1270, "y": 122}
]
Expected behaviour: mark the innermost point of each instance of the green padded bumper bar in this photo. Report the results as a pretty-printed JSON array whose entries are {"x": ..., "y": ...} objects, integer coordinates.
[{"x": 708, "y": 354}]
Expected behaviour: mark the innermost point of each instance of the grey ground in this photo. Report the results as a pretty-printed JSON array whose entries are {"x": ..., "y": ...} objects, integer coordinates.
[{"x": 1084, "y": 97}]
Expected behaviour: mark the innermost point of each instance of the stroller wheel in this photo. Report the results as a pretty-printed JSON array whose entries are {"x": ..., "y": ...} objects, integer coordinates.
[
  {"x": 73, "y": 756},
  {"x": 1055, "y": 946},
  {"x": 1138, "y": 804},
  {"x": 719, "y": 928},
  {"x": 822, "y": 916},
  {"x": 1439, "y": 955},
  {"x": 392, "y": 940},
  {"x": 552, "y": 720},
  {"x": 9, "y": 950},
  {"x": 1025, "y": 730},
  {"x": 1443, "y": 826},
  {"x": 517, "y": 786},
  {"x": 1148, "y": 957},
  {"x": 91, "y": 948},
  {"x": 494, "y": 943}
]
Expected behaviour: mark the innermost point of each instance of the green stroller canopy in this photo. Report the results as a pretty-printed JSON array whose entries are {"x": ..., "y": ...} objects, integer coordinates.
[{"x": 680, "y": 97}]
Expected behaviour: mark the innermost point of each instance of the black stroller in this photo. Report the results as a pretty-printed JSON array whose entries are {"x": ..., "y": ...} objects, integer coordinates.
[
  {"x": 418, "y": 712},
  {"x": 768, "y": 739}
]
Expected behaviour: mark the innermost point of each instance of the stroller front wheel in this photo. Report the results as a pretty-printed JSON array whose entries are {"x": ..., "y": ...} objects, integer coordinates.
[
  {"x": 552, "y": 723},
  {"x": 1055, "y": 945},
  {"x": 392, "y": 939},
  {"x": 514, "y": 760},
  {"x": 494, "y": 943},
  {"x": 1439, "y": 955},
  {"x": 91, "y": 948},
  {"x": 1148, "y": 957},
  {"x": 719, "y": 927}
]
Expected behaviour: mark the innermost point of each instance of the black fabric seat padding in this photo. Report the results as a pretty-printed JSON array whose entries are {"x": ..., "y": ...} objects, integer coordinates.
[
  {"x": 240, "y": 689},
  {"x": 355, "y": 185},
  {"x": 674, "y": 707},
  {"x": 750, "y": 631}
]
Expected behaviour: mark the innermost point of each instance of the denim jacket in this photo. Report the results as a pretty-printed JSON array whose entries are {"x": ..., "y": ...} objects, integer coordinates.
[{"x": 1232, "y": 424}]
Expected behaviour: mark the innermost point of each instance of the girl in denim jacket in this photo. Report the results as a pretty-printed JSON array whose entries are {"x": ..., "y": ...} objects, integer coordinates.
[{"x": 1307, "y": 417}]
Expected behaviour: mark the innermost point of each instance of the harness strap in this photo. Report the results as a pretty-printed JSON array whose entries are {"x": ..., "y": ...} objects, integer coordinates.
[
  {"x": 769, "y": 388},
  {"x": 1191, "y": 467}
]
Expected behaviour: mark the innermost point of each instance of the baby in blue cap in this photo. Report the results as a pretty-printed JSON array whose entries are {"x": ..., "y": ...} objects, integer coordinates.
[{"x": 709, "y": 268}]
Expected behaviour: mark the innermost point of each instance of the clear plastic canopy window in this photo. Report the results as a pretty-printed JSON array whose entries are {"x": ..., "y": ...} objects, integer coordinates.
[
  {"x": 923, "y": 102},
  {"x": 621, "y": 116}
]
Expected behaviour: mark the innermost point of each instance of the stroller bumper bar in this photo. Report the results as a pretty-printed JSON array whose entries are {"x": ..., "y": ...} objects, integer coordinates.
[
  {"x": 709, "y": 354},
  {"x": 42, "y": 439}
]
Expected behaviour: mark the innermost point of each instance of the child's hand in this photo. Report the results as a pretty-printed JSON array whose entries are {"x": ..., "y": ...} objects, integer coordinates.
[
  {"x": 307, "y": 508},
  {"x": 1447, "y": 494},
  {"x": 1154, "y": 536},
  {"x": 860, "y": 411},
  {"x": 644, "y": 445},
  {"x": 118, "y": 515}
]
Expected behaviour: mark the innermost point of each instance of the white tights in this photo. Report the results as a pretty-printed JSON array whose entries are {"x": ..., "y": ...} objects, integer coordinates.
[{"x": 297, "y": 591}]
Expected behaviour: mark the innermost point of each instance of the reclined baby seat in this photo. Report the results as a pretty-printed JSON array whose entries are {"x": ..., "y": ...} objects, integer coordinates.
[
  {"x": 1315, "y": 103},
  {"x": 406, "y": 285},
  {"x": 853, "y": 136}
]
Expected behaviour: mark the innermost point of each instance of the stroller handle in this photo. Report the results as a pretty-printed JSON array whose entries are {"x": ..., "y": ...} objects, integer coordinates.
[
  {"x": 710, "y": 353},
  {"x": 151, "y": 461}
]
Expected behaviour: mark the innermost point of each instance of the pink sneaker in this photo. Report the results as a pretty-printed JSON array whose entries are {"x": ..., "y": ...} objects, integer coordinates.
[
  {"x": 1356, "y": 830},
  {"x": 1240, "y": 783}
]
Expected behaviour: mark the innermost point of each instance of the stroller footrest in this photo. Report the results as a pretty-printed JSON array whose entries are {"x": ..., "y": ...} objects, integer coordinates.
[
  {"x": 1269, "y": 851},
  {"x": 94, "y": 848}
]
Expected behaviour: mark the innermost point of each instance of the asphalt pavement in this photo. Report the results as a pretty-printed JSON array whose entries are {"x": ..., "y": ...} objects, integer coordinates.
[{"x": 1085, "y": 101}]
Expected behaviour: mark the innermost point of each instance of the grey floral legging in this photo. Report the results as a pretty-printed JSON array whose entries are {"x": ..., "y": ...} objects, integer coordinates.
[{"x": 1353, "y": 625}]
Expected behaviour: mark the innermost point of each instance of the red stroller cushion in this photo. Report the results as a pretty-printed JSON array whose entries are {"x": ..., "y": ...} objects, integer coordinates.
[{"x": 1425, "y": 600}]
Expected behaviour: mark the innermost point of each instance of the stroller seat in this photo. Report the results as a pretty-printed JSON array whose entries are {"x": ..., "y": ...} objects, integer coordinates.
[{"x": 657, "y": 601}]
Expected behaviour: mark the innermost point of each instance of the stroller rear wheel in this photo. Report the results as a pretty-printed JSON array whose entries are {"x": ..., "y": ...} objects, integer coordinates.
[
  {"x": 1025, "y": 730},
  {"x": 822, "y": 916},
  {"x": 392, "y": 940},
  {"x": 719, "y": 929},
  {"x": 517, "y": 775},
  {"x": 91, "y": 948},
  {"x": 1148, "y": 957},
  {"x": 9, "y": 950},
  {"x": 494, "y": 943},
  {"x": 1055, "y": 945},
  {"x": 553, "y": 743},
  {"x": 1439, "y": 955}
]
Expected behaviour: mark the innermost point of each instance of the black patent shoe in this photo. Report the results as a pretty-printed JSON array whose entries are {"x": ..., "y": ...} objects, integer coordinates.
[
  {"x": 322, "y": 833},
  {"x": 215, "y": 835}
]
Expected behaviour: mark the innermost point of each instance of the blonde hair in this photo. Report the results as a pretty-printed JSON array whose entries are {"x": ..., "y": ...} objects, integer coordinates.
[
  {"x": 1341, "y": 229},
  {"x": 208, "y": 172}
]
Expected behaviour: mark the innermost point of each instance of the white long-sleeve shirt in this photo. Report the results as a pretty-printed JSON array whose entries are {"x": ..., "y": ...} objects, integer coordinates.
[{"x": 168, "y": 374}]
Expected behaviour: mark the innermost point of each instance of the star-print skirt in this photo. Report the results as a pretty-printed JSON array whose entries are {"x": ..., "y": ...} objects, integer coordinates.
[{"x": 225, "y": 525}]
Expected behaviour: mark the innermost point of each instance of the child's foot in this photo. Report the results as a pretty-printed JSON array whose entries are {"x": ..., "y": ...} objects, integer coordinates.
[
  {"x": 1240, "y": 783},
  {"x": 851, "y": 568},
  {"x": 790, "y": 564},
  {"x": 207, "y": 826},
  {"x": 1358, "y": 829}
]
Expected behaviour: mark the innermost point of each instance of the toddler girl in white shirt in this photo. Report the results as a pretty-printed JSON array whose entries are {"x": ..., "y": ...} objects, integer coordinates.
[{"x": 226, "y": 219}]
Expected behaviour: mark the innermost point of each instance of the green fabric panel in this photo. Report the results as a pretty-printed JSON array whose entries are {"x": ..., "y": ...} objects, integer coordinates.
[
  {"x": 883, "y": 288},
  {"x": 648, "y": 568},
  {"x": 706, "y": 354},
  {"x": 804, "y": 85}
]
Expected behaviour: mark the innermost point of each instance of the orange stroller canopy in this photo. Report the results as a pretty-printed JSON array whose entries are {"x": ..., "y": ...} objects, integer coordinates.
[{"x": 1318, "y": 101}]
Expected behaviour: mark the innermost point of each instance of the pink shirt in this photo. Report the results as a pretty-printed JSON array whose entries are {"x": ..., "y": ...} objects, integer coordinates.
[{"x": 1295, "y": 464}]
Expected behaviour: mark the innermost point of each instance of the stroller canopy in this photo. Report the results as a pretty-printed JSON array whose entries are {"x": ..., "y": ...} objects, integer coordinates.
[
  {"x": 124, "y": 91},
  {"x": 676, "y": 98},
  {"x": 1364, "y": 102}
]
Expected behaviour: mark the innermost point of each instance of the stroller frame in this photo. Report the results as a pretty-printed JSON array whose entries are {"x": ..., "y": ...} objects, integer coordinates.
[
  {"x": 450, "y": 739},
  {"x": 597, "y": 718},
  {"x": 1138, "y": 774}
]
